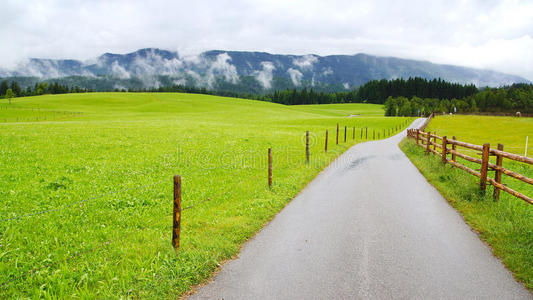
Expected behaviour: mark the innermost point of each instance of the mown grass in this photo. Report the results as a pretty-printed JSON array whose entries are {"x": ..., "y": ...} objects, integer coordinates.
[
  {"x": 87, "y": 201},
  {"x": 509, "y": 131},
  {"x": 506, "y": 225}
]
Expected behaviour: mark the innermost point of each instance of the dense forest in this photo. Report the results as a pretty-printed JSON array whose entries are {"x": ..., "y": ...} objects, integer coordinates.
[
  {"x": 378, "y": 91},
  {"x": 518, "y": 97},
  {"x": 39, "y": 89},
  {"x": 411, "y": 97}
]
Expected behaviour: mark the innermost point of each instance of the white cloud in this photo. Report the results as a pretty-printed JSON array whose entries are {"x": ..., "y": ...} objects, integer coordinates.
[
  {"x": 265, "y": 75},
  {"x": 119, "y": 71},
  {"x": 487, "y": 34},
  {"x": 222, "y": 66},
  {"x": 305, "y": 62},
  {"x": 327, "y": 71},
  {"x": 296, "y": 76}
]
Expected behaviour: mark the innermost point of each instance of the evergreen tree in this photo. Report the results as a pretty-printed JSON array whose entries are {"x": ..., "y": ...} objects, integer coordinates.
[{"x": 3, "y": 87}]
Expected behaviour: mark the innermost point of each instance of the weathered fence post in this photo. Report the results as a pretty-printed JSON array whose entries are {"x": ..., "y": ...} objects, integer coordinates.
[
  {"x": 444, "y": 150},
  {"x": 373, "y": 134},
  {"x": 435, "y": 141},
  {"x": 345, "y": 134},
  {"x": 307, "y": 146},
  {"x": 484, "y": 167},
  {"x": 428, "y": 141},
  {"x": 498, "y": 174},
  {"x": 269, "y": 167},
  {"x": 361, "y": 132},
  {"x": 177, "y": 212},
  {"x": 366, "y": 133},
  {"x": 353, "y": 134},
  {"x": 454, "y": 147},
  {"x": 337, "y": 133},
  {"x": 326, "y": 143},
  {"x": 417, "y": 136}
]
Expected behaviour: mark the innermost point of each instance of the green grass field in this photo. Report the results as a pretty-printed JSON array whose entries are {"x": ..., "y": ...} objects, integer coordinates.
[
  {"x": 87, "y": 199},
  {"x": 509, "y": 131},
  {"x": 507, "y": 225}
]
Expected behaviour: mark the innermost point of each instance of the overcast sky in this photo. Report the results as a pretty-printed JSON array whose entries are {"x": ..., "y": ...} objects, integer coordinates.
[{"x": 484, "y": 34}]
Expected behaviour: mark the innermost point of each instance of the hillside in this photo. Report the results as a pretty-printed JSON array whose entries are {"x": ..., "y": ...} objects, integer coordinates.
[{"x": 243, "y": 71}]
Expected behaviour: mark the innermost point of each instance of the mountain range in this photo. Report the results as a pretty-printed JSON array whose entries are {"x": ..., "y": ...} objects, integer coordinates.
[{"x": 244, "y": 71}]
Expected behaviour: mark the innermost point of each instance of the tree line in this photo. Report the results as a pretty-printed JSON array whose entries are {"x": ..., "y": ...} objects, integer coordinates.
[
  {"x": 514, "y": 98},
  {"x": 414, "y": 96},
  {"x": 40, "y": 88},
  {"x": 378, "y": 91}
]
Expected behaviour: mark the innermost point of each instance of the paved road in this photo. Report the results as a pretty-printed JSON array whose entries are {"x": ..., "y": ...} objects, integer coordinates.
[{"x": 369, "y": 226}]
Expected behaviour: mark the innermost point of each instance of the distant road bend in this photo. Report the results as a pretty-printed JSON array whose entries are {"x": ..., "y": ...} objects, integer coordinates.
[{"x": 369, "y": 226}]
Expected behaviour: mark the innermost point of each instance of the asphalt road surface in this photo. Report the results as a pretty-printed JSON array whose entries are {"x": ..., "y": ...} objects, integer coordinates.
[{"x": 369, "y": 226}]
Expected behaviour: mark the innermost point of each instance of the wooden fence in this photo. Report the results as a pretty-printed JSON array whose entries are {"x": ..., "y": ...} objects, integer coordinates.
[
  {"x": 423, "y": 127},
  {"x": 429, "y": 142}
]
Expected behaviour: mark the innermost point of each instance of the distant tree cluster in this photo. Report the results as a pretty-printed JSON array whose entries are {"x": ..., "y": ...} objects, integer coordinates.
[
  {"x": 304, "y": 96},
  {"x": 40, "y": 88},
  {"x": 402, "y": 106},
  {"x": 378, "y": 91},
  {"x": 518, "y": 97}
]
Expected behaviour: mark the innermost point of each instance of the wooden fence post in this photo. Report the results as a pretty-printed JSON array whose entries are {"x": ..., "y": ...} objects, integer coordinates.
[
  {"x": 353, "y": 134},
  {"x": 361, "y": 132},
  {"x": 326, "y": 143},
  {"x": 428, "y": 141},
  {"x": 454, "y": 147},
  {"x": 337, "y": 133},
  {"x": 498, "y": 174},
  {"x": 366, "y": 133},
  {"x": 373, "y": 134},
  {"x": 444, "y": 150},
  {"x": 269, "y": 167},
  {"x": 435, "y": 141},
  {"x": 177, "y": 212},
  {"x": 307, "y": 146},
  {"x": 484, "y": 167},
  {"x": 417, "y": 136},
  {"x": 345, "y": 134}
]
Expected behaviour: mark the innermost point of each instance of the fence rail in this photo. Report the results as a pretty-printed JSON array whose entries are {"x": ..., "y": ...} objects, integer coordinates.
[{"x": 428, "y": 141}]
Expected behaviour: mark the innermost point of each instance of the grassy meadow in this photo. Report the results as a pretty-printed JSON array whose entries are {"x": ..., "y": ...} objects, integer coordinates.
[
  {"x": 506, "y": 225},
  {"x": 87, "y": 197}
]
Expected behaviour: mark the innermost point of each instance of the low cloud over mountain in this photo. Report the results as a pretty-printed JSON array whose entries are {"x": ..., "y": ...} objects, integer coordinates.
[{"x": 260, "y": 69}]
